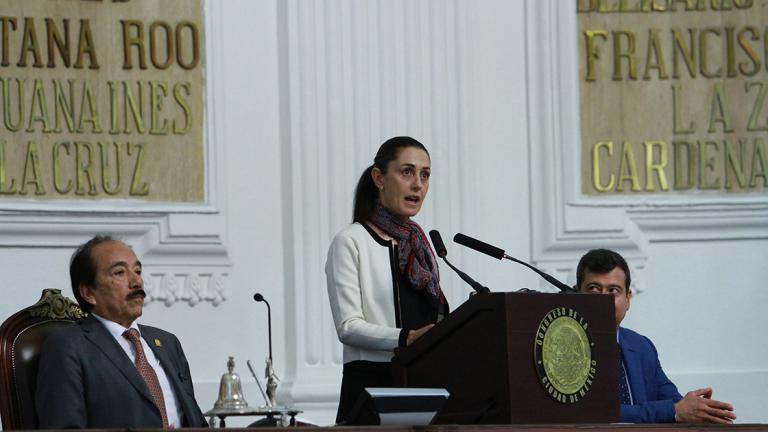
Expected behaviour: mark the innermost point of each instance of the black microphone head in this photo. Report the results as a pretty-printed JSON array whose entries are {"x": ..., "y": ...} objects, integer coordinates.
[
  {"x": 258, "y": 297},
  {"x": 437, "y": 242},
  {"x": 478, "y": 246}
]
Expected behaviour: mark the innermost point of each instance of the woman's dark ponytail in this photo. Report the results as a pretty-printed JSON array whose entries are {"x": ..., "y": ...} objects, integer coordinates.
[{"x": 366, "y": 193}]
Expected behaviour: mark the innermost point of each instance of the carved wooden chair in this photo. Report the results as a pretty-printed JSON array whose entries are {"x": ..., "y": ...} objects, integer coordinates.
[{"x": 21, "y": 337}]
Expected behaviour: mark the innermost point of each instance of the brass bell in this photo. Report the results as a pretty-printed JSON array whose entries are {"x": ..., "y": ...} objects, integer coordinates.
[{"x": 230, "y": 390}]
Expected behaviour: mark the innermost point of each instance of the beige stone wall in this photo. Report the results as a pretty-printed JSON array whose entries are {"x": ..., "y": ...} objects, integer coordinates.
[
  {"x": 674, "y": 96},
  {"x": 102, "y": 100}
]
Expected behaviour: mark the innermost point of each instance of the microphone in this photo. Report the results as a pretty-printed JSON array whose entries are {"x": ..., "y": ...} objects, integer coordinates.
[
  {"x": 437, "y": 242},
  {"x": 478, "y": 246},
  {"x": 260, "y": 298},
  {"x": 499, "y": 254}
]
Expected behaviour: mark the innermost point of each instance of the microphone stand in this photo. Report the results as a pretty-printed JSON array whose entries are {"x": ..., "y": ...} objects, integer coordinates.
[
  {"x": 269, "y": 372},
  {"x": 498, "y": 253},
  {"x": 479, "y": 288},
  {"x": 559, "y": 285},
  {"x": 284, "y": 412}
]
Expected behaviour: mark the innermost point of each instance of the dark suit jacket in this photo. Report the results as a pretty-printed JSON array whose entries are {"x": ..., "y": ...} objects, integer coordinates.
[
  {"x": 86, "y": 380},
  {"x": 653, "y": 394}
]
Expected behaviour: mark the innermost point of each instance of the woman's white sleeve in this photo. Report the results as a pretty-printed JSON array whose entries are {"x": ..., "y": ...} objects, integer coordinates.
[{"x": 344, "y": 292}]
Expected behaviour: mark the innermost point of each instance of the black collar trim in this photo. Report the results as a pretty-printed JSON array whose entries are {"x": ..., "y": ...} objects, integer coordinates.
[{"x": 376, "y": 237}]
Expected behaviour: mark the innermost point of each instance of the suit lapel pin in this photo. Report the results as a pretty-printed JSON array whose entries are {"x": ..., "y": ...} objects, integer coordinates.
[{"x": 158, "y": 343}]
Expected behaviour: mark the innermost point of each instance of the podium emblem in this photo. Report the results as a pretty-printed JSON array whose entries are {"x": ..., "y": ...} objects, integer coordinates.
[{"x": 563, "y": 355}]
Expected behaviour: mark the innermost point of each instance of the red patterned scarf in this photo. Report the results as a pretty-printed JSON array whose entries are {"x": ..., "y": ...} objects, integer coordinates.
[{"x": 417, "y": 261}]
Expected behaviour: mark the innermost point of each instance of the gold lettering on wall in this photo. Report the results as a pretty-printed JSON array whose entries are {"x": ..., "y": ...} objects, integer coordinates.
[
  {"x": 674, "y": 96},
  {"x": 103, "y": 100}
]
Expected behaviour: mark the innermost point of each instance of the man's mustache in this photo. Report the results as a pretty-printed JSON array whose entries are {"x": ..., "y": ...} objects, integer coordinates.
[{"x": 137, "y": 293}]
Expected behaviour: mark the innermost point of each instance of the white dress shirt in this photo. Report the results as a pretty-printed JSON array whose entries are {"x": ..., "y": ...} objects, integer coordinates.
[{"x": 171, "y": 406}]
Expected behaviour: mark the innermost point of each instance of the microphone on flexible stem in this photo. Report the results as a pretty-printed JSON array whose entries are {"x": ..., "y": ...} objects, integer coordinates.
[
  {"x": 499, "y": 254},
  {"x": 442, "y": 252},
  {"x": 269, "y": 373},
  {"x": 260, "y": 298}
]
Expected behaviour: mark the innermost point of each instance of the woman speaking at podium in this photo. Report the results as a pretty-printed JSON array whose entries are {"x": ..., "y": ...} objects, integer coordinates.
[{"x": 383, "y": 282}]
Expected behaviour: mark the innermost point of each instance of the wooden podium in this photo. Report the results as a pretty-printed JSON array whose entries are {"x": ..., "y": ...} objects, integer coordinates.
[{"x": 484, "y": 354}]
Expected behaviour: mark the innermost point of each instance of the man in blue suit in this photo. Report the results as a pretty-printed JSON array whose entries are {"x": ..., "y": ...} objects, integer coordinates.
[
  {"x": 107, "y": 371},
  {"x": 648, "y": 396}
]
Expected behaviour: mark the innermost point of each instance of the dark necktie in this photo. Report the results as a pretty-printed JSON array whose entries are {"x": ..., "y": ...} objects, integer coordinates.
[
  {"x": 147, "y": 373},
  {"x": 623, "y": 383}
]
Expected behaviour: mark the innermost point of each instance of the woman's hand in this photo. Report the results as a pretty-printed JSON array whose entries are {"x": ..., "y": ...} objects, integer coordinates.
[{"x": 415, "y": 334}]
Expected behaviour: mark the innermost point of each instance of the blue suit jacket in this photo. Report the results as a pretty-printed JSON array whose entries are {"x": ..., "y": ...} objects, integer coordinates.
[
  {"x": 85, "y": 380},
  {"x": 653, "y": 394}
]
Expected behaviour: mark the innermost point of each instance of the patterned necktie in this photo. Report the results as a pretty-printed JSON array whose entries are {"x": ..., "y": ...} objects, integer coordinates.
[
  {"x": 147, "y": 373},
  {"x": 623, "y": 383}
]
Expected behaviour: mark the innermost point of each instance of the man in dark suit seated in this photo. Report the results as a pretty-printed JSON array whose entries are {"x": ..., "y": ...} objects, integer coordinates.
[
  {"x": 107, "y": 371},
  {"x": 647, "y": 395}
]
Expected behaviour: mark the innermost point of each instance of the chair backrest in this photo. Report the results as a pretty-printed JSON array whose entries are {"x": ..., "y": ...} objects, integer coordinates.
[{"x": 21, "y": 337}]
